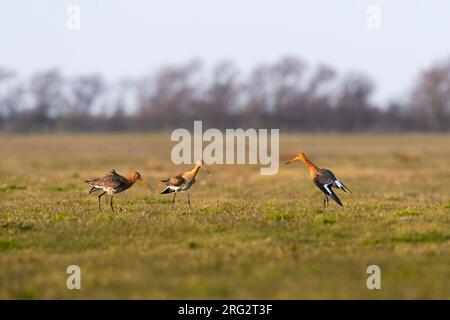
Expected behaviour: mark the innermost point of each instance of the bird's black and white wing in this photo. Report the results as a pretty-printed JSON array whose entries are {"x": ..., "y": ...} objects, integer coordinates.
[
  {"x": 325, "y": 180},
  {"x": 328, "y": 191},
  {"x": 173, "y": 184},
  {"x": 325, "y": 176}
]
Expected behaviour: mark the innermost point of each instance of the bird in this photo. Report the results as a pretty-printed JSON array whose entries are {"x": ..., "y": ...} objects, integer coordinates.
[
  {"x": 113, "y": 183},
  {"x": 324, "y": 179},
  {"x": 182, "y": 182}
]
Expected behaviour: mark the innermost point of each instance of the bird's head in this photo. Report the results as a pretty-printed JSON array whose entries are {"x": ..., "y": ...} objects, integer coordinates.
[
  {"x": 136, "y": 176},
  {"x": 202, "y": 164},
  {"x": 297, "y": 157}
]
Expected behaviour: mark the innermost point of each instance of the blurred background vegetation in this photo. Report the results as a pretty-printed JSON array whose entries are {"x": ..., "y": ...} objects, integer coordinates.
[{"x": 287, "y": 94}]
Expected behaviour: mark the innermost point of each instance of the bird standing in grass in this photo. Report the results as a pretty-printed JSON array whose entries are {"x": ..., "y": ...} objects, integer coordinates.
[
  {"x": 324, "y": 179},
  {"x": 183, "y": 182},
  {"x": 114, "y": 183}
]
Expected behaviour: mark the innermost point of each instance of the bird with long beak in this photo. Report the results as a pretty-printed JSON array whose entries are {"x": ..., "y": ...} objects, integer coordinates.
[
  {"x": 114, "y": 183},
  {"x": 324, "y": 179},
  {"x": 183, "y": 182}
]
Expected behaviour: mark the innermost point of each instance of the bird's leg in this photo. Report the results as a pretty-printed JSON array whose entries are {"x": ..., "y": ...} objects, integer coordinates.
[
  {"x": 111, "y": 203},
  {"x": 99, "y": 205},
  {"x": 173, "y": 201},
  {"x": 328, "y": 200},
  {"x": 189, "y": 200},
  {"x": 325, "y": 201}
]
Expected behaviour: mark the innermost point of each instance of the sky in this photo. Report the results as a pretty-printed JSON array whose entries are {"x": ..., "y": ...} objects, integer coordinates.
[{"x": 130, "y": 38}]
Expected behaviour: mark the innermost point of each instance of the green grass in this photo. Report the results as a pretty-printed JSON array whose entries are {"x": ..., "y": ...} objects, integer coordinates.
[
  {"x": 61, "y": 187},
  {"x": 7, "y": 245},
  {"x": 246, "y": 236},
  {"x": 432, "y": 236},
  {"x": 405, "y": 213},
  {"x": 12, "y": 187}
]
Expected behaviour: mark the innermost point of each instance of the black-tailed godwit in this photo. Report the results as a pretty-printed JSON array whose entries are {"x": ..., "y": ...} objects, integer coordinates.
[
  {"x": 324, "y": 179},
  {"x": 114, "y": 183},
  {"x": 182, "y": 182}
]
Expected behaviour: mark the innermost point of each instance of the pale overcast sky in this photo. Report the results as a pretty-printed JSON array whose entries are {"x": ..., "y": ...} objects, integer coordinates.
[{"x": 128, "y": 38}]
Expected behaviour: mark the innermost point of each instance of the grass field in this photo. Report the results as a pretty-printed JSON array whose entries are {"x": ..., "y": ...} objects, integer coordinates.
[{"x": 247, "y": 236}]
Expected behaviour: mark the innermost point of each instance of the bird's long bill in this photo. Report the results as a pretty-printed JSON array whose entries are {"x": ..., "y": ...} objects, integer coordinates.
[
  {"x": 149, "y": 187},
  {"x": 206, "y": 170},
  {"x": 292, "y": 160}
]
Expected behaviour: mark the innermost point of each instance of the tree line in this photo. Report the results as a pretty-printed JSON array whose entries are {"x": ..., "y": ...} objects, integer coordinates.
[{"x": 287, "y": 94}]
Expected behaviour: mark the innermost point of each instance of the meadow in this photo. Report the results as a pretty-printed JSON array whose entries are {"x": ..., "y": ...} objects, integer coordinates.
[{"x": 247, "y": 236}]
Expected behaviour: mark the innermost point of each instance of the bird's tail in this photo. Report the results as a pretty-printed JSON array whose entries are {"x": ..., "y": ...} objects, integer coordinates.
[
  {"x": 333, "y": 196},
  {"x": 165, "y": 180},
  {"x": 93, "y": 189},
  {"x": 167, "y": 190},
  {"x": 342, "y": 186},
  {"x": 345, "y": 188}
]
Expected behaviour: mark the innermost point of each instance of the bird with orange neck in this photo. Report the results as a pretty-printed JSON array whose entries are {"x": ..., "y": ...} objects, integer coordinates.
[
  {"x": 324, "y": 179},
  {"x": 183, "y": 182},
  {"x": 114, "y": 183}
]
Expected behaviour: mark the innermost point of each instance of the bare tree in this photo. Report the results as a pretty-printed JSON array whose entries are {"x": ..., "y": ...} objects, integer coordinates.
[
  {"x": 49, "y": 101},
  {"x": 354, "y": 111},
  {"x": 86, "y": 90},
  {"x": 430, "y": 98},
  {"x": 217, "y": 103},
  {"x": 169, "y": 103},
  {"x": 83, "y": 93},
  {"x": 11, "y": 95},
  {"x": 286, "y": 94}
]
